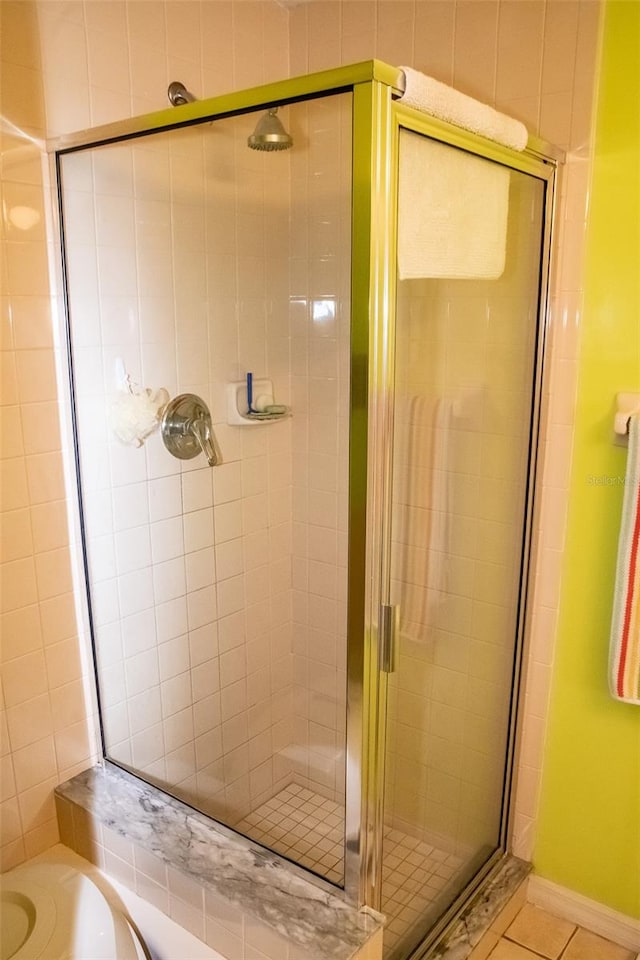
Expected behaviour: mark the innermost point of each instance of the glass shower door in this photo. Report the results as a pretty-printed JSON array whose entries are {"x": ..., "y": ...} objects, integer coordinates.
[
  {"x": 466, "y": 345},
  {"x": 218, "y": 591}
]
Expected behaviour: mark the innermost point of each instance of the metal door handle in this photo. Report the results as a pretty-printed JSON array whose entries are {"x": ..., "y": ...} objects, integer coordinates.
[{"x": 387, "y": 635}]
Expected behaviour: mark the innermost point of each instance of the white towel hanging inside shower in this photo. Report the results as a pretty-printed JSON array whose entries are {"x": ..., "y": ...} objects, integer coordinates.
[
  {"x": 423, "y": 569},
  {"x": 452, "y": 212}
]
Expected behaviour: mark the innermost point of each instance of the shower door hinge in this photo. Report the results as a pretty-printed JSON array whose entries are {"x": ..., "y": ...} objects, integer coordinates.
[{"x": 387, "y": 646}]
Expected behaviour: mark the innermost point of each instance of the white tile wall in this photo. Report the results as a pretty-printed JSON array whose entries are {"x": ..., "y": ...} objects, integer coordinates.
[
  {"x": 185, "y": 550},
  {"x": 320, "y": 330},
  {"x": 44, "y": 707},
  {"x": 557, "y": 442}
]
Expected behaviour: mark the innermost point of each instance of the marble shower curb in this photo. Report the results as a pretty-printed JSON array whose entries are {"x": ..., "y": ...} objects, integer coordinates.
[{"x": 239, "y": 872}]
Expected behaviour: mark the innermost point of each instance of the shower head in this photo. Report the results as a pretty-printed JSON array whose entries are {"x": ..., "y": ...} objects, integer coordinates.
[
  {"x": 269, "y": 133},
  {"x": 178, "y": 94}
]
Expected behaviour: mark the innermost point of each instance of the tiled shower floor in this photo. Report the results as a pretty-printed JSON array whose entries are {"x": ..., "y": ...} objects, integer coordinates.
[
  {"x": 302, "y": 826},
  {"x": 308, "y": 829},
  {"x": 413, "y": 874}
]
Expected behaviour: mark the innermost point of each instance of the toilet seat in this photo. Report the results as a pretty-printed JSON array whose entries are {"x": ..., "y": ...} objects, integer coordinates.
[
  {"x": 54, "y": 912},
  {"x": 31, "y": 919}
]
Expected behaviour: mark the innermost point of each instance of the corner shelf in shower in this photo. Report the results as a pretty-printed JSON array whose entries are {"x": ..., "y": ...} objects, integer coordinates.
[{"x": 237, "y": 403}]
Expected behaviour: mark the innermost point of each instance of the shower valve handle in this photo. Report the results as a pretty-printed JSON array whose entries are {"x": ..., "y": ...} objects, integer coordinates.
[
  {"x": 201, "y": 430},
  {"x": 186, "y": 429}
]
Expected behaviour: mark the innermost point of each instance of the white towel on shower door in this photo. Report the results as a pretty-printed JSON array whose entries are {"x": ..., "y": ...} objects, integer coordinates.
[
  {"x": 452, "y": 212},
  {"x": 439, "y": 100}
]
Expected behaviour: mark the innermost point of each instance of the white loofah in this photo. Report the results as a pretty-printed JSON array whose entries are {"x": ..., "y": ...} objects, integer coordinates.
[{"x": 135, "y": 414}]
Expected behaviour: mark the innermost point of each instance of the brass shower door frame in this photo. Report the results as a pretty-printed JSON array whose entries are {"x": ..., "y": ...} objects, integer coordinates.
[
  {"x": 376, "y": 119},
  {"x": 540, "y": 161}
]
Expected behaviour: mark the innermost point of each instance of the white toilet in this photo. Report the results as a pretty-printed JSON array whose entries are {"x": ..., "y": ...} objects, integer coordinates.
[{"x": 51, "y": 911}]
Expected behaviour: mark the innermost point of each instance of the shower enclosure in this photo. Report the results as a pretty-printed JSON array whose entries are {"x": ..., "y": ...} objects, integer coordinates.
[{"x": 317, "y": 639}]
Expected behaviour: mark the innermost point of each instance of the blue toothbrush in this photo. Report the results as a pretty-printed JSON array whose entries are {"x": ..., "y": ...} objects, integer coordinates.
[{"x": 250, "y": 393}]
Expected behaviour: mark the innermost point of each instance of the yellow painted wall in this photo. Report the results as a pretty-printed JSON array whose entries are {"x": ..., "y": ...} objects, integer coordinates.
[{"x": 589, "y": 830}]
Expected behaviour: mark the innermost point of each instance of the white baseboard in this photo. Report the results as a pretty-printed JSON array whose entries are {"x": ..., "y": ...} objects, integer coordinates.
[{"x": 586, "y": 913}]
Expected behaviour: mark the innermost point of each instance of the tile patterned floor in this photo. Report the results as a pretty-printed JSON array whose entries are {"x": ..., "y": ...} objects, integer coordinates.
[
  {"x": 536, "y": 934},
  {"x": 302, "y": 826},
  {"x": 308, "y": 829},
  {"x": 413, "y": 874}
]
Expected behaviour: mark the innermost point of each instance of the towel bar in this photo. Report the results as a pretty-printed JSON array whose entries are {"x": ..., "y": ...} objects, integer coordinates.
[{"x": 627, "y": 404}]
